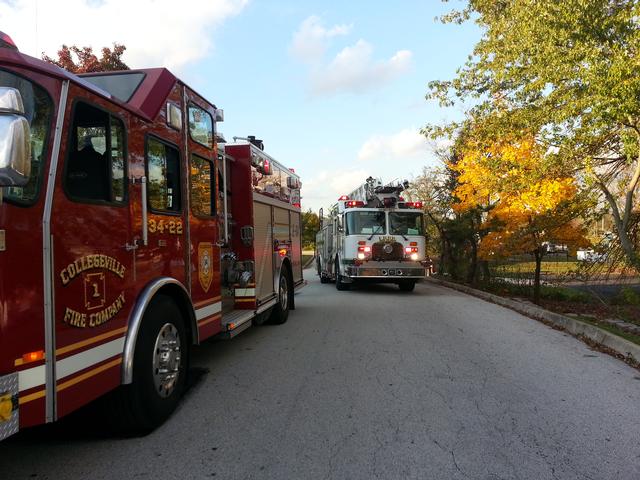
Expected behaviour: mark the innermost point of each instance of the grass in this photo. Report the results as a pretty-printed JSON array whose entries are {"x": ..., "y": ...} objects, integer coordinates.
[
  {"x": 611, "y": 329},
  {"x": 546, "y": 292},
  {"x": 548, "y": 267}
]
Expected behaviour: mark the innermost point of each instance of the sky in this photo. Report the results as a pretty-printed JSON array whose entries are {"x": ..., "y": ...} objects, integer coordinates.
[{"x": 335, "y": 89}]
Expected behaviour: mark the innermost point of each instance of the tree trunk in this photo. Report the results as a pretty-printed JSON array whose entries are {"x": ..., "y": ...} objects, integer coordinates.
[
  {"x": 536, "y": 279},
  {"x": 443, "y": 247},
  {"x": 473, "y": 266},
  {"x": 621, "y": 221},
  {"x": 450, "y": 264},
  {"x": 627, "y": 246},
  {"x": 486, "y": 272}
]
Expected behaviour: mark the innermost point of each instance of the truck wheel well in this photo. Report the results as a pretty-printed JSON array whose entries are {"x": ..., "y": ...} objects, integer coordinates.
[
  {"x": 164, "y": 286},
  {"x": 184, "y": 305}
]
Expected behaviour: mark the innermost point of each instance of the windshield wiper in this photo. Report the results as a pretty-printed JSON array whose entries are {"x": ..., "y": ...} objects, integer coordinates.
[{"x": 374, "y": 233}]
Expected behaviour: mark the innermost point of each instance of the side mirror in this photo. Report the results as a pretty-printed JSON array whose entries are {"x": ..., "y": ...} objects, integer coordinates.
[
  {"x": 321, "y": 217},
  {"x": 293, "y": 183},
  {"x": 15, "y": 140}
]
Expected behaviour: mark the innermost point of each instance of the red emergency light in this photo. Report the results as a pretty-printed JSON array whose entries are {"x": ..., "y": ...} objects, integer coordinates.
[
  {"x": 413, "y": 204},
  {"x": 6, "y": 42},
  {"x": 353, "y": 203},
  {"x": 343, "y": 197},
  {"x": 266, "y": 167}
]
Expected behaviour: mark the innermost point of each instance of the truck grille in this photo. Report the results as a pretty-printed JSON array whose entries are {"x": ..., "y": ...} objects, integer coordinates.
[{"x": 378, "y": 251}]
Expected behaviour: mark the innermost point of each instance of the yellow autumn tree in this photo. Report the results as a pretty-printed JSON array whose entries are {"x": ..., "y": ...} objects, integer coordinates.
[{"x": 528, "y": 203}]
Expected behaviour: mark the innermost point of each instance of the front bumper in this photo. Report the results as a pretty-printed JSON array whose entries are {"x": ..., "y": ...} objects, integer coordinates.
[
  {"x": 386, "y": 270},
  {"x": 9, "y": 419}
]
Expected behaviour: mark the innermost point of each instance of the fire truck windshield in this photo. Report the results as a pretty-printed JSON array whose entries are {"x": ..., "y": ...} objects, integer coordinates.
[
  {"x": 365, "y": 223},
  {"x": 405, "y": 223},
  {"x": 38, "y": 109}
]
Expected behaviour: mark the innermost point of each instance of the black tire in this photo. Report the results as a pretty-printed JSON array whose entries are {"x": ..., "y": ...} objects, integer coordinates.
[
  {"x": 153, "y": 396},
  {"x": 280, "y": 312},
  {"x": 340, "y": 285},
  {"x": 407, "y": 285},
  {"x": 323, "y": 277}
]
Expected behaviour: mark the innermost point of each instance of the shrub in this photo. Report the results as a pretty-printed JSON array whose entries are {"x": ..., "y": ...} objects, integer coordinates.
[
  {"x": 565, "y": 295},
  {"x": 627, "y": 296}
]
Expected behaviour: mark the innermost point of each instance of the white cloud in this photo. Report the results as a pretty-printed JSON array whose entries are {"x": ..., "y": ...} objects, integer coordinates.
[
  {"x": 311, "y": 40},
  {"x": 155, "y": 32},
  {"x": 405, "y": 144},
  {"x": 354, "y": 69},
  {"x": 325, "y": 188}
]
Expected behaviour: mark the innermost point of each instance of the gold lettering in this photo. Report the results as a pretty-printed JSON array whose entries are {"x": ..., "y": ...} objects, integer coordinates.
[
  {"x": 75, "y": 319},
  {"x": 103, "y": 316},
  {"x": 88, "y": 262}
]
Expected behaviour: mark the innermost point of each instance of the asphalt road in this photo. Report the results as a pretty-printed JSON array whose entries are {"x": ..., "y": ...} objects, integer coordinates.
[{"x": 374, "y": 383}]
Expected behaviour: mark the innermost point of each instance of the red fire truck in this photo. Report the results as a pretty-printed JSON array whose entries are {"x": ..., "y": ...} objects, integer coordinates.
[{"x": 128, "y": 233}]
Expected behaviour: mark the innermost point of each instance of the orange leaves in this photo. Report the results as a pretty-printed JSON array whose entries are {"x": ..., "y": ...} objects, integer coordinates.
[
  {"x": 525, "y": 205},
  {"x": 82, "y": 59},
  {"x": 511, "y": 176}
]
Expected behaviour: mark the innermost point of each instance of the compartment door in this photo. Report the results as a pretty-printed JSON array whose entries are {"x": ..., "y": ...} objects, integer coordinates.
[{"x": 263, "y": 250}]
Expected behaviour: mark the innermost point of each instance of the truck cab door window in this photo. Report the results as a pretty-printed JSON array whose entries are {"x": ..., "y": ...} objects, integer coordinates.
[
  {"x": 163, "y": 169},
  {"x": 200, "y": 126},
  {"x": 95, "y": 170}
]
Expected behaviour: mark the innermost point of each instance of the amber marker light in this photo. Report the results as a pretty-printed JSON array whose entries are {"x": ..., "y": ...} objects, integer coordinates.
[
  {"x": 33, "y": 356},
  {"x": 6, "y": 407}
]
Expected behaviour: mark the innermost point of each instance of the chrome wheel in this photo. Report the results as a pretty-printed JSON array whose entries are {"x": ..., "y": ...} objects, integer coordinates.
[
  {"x": 284, "y": 293},
  {"x": 166, "y": 360}
]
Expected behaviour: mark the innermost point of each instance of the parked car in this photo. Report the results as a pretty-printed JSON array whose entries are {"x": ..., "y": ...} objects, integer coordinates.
[{"x": 590, "y": 255}]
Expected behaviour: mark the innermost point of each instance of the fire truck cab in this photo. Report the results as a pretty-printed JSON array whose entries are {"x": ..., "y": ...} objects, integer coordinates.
[
  {"x": 372, "y": 235},
  {"x": 128, "y": 233}
]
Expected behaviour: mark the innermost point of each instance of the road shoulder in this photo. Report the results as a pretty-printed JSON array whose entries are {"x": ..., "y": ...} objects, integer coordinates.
[{"x": 610, "y": 343}]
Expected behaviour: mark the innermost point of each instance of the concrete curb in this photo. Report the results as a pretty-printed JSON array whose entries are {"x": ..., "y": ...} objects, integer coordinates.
[
  {"x": 623, "y": 347},
  {"x": 306, "y": 265}
]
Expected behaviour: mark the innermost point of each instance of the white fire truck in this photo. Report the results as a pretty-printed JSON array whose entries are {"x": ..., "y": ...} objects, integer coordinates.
[
  {"x": 372, "y": 235},
  {"x": 128, "y": 234}
]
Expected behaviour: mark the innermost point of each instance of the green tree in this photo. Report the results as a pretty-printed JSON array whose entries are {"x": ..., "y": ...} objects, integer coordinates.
[
  {"x": 310, "y": 226},
  {"x": 569, "y": 72}
]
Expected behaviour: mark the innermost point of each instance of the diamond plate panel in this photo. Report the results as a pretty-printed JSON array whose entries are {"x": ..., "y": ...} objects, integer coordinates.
[{"x": 9, "y": 386}]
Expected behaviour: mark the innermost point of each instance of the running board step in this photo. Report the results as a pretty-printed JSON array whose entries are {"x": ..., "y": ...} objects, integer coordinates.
[{"x": 235, "y": 322}]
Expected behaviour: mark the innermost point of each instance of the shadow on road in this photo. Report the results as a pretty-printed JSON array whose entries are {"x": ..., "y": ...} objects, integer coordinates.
[{"x": 90, "y": 423}]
